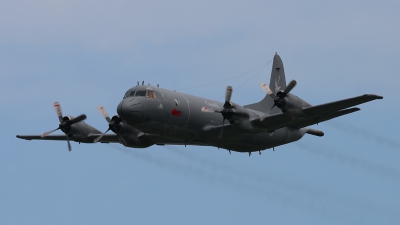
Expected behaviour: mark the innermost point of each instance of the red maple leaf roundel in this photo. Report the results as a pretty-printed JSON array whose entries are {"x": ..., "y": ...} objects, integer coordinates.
[{"x": 176, "y": 112}]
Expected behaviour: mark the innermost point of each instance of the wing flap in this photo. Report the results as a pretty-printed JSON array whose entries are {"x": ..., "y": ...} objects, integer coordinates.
[
  {"x": 107, "y": 138},
  {"x": 274, "y": 122},
  {"x": 309, "y": 122}
]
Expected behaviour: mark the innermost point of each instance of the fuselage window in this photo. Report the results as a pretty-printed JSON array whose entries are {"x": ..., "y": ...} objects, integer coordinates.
[
  {"x": 132, "y": 93},
  {"x": 151, "y": 94},
  {"x": 140, "y": 93}
]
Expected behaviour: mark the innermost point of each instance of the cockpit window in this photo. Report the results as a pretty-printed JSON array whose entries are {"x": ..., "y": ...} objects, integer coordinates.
[
  {"x": 140, "y": 93},
  {"x": 151, "y": 94},
  {"x": 144, "y": 93},
  {"x": 126, "y": 94}
]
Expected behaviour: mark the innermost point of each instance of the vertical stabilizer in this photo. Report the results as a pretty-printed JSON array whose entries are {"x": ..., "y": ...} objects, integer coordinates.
[{"x": 278, "y": 81}]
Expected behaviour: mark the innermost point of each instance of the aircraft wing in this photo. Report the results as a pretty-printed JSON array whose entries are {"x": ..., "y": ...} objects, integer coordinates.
[
  {"x": 156, "y": 139},
  {"x": 62, "y": 137},
  {"x": 314, "y": 114},
  {"x": 273, "y": 122},
  {"x": 110, "y": 138},
  {"x": 339, "y": 105}
]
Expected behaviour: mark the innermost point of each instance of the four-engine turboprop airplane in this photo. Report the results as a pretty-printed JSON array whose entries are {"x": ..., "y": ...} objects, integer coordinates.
[{"x": 149, "y": 115}]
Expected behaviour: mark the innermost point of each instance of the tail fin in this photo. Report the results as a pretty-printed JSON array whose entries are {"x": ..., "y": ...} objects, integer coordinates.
[
  {"x": 277, "y": 83},
  {"x": 278, "y": 80}
]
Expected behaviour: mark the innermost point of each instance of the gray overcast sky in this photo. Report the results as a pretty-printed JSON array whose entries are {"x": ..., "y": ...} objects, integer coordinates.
[{"x": 84, "y": 54}]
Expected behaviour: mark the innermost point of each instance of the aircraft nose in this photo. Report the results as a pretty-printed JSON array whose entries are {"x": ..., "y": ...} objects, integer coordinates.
[{"x": 130, "y": 110}]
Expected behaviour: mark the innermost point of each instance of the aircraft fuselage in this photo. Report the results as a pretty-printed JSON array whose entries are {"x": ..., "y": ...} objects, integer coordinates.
[{"x": 178, "y": 116}]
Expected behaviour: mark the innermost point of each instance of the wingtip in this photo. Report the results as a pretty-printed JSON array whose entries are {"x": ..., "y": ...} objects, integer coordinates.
[
  {"x": 374, "y": 96},
  {"x": 23, "y": 137}
]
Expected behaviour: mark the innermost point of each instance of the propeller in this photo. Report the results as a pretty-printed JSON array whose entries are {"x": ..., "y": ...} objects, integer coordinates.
[
  {"x": 288, "y": 88},
  {"x": 279, "y": 98},
  {"x": 113, "y": 124},
  {"x": 65, "y": 123},
  {"x": 227, "y": 111},
  {"x": 228, "y": 95}
]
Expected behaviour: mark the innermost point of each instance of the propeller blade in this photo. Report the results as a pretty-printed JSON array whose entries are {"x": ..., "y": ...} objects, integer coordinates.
[
  {"x": 101, "y": 136},
  {"x": 57, "y": 107},
  {"x": 266, "y": 88},
  {"x": 228, "y": 94},
  {"x": 104, "y": 113},
  {"x": 209, "y": 109},
  {"x": 49, "y": 132},
  {"x": 69, "y": 144},
  {"x": 290, "y": 86},
  {"x": 77, "y": 119}
]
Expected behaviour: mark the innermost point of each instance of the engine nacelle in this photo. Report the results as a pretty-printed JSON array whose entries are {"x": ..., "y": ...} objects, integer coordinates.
[
  {"x": 131, "y": 137},
  {"x": 80, "y": 132},
  {"x": 240, "y": 120}
]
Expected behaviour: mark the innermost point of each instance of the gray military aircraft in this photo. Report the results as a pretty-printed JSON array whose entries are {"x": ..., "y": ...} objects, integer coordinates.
[{"x": 149, "y": 115}]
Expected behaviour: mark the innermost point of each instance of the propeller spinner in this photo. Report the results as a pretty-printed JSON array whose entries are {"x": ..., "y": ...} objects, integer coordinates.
[
  {"x": 227, "y": 112},
  {"x": 114, "y": 124},
  {"x": 65, "y": 123}
]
